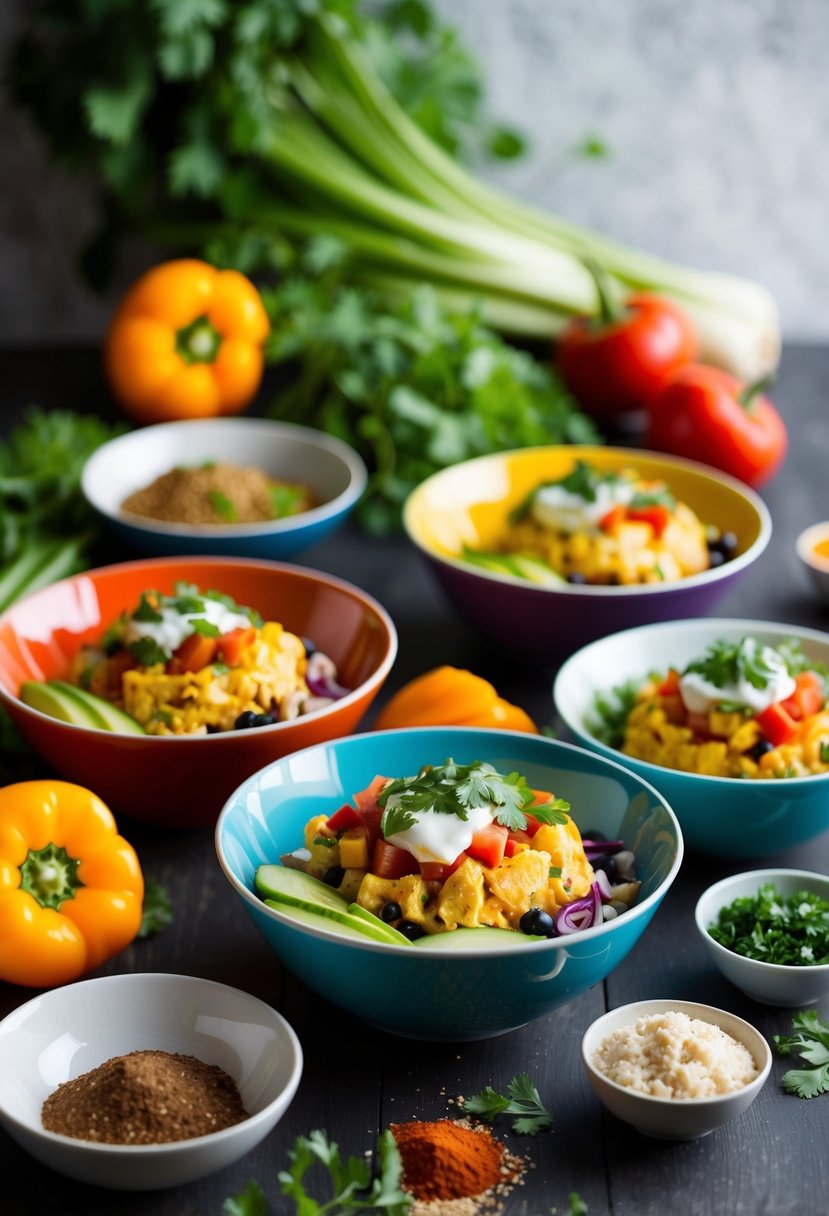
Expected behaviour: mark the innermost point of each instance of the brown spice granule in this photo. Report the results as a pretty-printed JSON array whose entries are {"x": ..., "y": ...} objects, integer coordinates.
[
  {"x": 146, "y": 1097},
  {"x": 213, "y": 493}
]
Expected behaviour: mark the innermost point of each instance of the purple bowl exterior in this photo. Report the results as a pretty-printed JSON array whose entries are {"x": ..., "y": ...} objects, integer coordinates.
[{"x": 553, "y": 625}]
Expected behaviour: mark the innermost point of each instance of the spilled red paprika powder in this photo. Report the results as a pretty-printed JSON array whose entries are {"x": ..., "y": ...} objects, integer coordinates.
[{"x": 451, "y": 1160}]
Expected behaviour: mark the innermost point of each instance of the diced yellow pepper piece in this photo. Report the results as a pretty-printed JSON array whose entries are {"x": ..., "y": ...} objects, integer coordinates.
[{"x": 354, "y": 850}]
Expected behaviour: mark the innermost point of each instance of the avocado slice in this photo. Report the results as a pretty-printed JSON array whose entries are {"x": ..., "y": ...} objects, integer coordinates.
[
  {"x": 58, "y": 704},
  {"x": 114, "y": 719}
]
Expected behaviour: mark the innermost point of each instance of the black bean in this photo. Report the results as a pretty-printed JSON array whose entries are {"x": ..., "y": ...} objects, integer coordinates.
[
  {"x": 537, "y": 922},
  {"x": 333, "y": 876},
  {"x": 245, "y": 720},
  {"x": 391, "y": 911},
  {"x": 576, "y": 578},
  {"x": 760, "y": 748},
  {"x": 409, "y": 929},
  {"x": 263, "y": 720}
]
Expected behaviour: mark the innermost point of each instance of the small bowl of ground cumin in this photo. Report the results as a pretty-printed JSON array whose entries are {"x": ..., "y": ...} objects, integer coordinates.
[
  {"x": 139, "y": 1082},
  {"x": 244, "y": 487}
]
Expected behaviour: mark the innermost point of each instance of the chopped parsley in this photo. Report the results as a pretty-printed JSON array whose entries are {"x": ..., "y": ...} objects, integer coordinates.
[
  {"x": 147, "y": 609},
  {"x": 451, "y": 789},
  {"x": 655, "y": 496},
  {"x": 521, "y": 1099},
  {"x": 206, "y": 628},
  {"x": 810, "y": 1040},
  {"x": 773, "y": 928},
  {"x": 147, "y": 652},
  {"x": 728, "y": 662},
  {"x": 286, "y": 499},
  {"x": 824, "y": 753},
  {"x": 223, "y": 506}
]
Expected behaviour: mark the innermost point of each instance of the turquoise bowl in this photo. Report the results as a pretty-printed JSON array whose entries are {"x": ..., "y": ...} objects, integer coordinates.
[
  {"x": 720, "y": 816},
  {"x": 425, "y": 992}
]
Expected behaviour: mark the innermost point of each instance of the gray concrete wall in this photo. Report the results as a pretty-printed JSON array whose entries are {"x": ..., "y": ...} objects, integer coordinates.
[{"x": 715, "y": 114}]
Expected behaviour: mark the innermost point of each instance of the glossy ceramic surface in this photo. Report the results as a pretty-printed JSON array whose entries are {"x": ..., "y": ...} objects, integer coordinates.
[
  {"x": 668, "y": 1118},
  {"x": 469, "y": 503},
  {"x": 769, "y": 983},
  {"x": 67, "y": 1032},
  {"x": 719, "y": 815},
  {"x": 421, "y": 991},
  {"x": 332, "y": 469},
  {"x": 817, "y": 564},
  {"x": 177, "y": 780}
]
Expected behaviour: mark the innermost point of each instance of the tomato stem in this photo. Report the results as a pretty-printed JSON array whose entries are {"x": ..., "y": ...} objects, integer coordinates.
[
  {"x": 50, "y": 875},
  {"x": 199, "y": 341},
  {"x": 747, "y": 398}
]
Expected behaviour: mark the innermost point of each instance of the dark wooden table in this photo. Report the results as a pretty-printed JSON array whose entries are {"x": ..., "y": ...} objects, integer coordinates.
[{"x": 770, "y": 1162}]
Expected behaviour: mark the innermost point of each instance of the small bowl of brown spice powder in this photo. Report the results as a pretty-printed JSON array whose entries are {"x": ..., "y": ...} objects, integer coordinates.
[
  {"x": 139, "y": 1082},
  {"x": 238, "y": 487}
]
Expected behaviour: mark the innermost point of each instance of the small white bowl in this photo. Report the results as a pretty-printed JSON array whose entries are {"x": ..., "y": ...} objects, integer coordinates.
[
  {"x": 674, "y": 1118},
  {"x": 769, "y": 983},
  {"x": 67, "y": 1032},
  {"x": 817, "y": 565},
  {"x": 332, "y": 470}
]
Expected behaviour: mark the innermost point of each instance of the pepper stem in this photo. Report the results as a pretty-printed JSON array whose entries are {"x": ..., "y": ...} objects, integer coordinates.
[
  {"x": 747, "y": 398},
  {"x": 199, "y": 341},
  {"x": 50, "y": 875},
  {"x": 610, "y": 310}
]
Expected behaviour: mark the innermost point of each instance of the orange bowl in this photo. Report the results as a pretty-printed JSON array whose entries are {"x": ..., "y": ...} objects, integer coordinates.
[{"x": 179, "y": 780}]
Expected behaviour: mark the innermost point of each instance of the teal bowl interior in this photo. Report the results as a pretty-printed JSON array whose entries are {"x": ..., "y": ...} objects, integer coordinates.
[
  {"x": 720, "y": 816},
  {"x": 426, "y": 992}
]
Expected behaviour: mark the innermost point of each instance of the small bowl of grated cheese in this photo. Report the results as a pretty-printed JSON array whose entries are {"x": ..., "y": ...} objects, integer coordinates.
[{"x": 675, "y": 1070}]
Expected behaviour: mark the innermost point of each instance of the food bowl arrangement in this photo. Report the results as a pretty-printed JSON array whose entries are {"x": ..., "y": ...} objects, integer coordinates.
[
  {"x": 675, "y": 1118},
  {"x": 720, "y": 815},
  {"x": 791, "y": 985},
  {"x": 183, "y": 779},
  {"x": 467, "y": 508},
  {"x": 63, "y": 1034},
  {"x": 456, "y": 985},
  {"x": 330, "y": 469},
  {"x": 812, "y": 548}
]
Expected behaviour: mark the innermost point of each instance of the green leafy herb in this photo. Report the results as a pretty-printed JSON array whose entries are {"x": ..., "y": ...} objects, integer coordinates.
[
  {"x": 327, "y": 842},
  {"x": 223, "y": 506},
  {"x": 727, "y": 662},
  {"x": 824, "y": 752},
  {"x": 147, "y": 609},
  {"x": 809, "y": 1040},
  {"x": 220, "y": 669},
  {"x": 147, "y": 652},
  {"x": 451, "y": 789},
  {"x": 157, "y": 910},
  {"x": 206, "y": 628},
  {"x": 351, "y": 1186},
  {"x": 286, "y": 499},
  {"x": 734, "y": 707},
  {"x": 654, "y": 496},
  {"x": 577, "y": 1206},
  {"x": 612, "y": 710},
  {"x": 250, "y": 1202},
  {"x": 583, "y": 481},
  {"x": 554, "y": 872},
  {"x": 522, "y": 1099},
  {"x": 772, "y": 928}
]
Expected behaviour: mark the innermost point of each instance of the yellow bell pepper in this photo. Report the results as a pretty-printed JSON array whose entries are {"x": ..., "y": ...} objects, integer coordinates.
[
  {"x": 71, "y": 888},
  {"x": 450, "y": 696}
]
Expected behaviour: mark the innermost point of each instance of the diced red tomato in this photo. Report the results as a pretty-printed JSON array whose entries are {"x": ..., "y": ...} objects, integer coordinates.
[
  {"x": 615, "y": 516},
  {"x": 532, "y": 823},
  {"x": 343, "y": 819},
  {"x": 514, "y": 846},
  {"x": 231, "y": 644},
  {"x": 776, "y": 724},
  {"x": 367, "y": 798},
  {"x": 670, "y": 685},
  {"x": 698, "y": 725},
  {"x": 657, "y": 516},
  {"x": 808, "y": 697},
  {"x": 194, "y": 653},
  {"x": 488, "y": 845},
  {"x": 388, "y": 861},
  {"x": 436, "y": 871}
]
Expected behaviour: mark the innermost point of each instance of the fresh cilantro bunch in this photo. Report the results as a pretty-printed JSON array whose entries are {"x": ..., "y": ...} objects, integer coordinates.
[
  {"x": 772, "y": 928},
  {"x": 522, "y": 1099},
  {"x": 451, "y": 789},
  {"x": 810, "y": 1040},
  {"x": 729, "y": 662}
]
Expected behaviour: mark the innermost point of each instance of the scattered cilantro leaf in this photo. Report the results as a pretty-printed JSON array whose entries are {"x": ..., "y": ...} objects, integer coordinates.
[
  {"x": 286, "y": 499},
  {"x": 147, "y": 609},
  {"x": 522, "y": 1099},
  {"x": 810, "y": 1040},
  {"x": 577, "y": 1206},
  {"x": 147, "y": 652},
  {"x": 223, "y": 506},
  {"x": 351, "y": 1186},
  {"x": 157, "y": 910},
  {"x": 772, "y": 928},
  {"x": 658, "y": 495},
  {"x": 249, "y": 1202}
]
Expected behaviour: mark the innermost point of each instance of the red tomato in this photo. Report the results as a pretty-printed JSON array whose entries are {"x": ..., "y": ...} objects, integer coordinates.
[
  {"x": 194, "y": 653},
  {"x": 387, "y": 861},
  {"x": 709, "y": 415},
  {"x": 658, "y": 517},
  {"x": 343, "y": 819},
  {"x": 231, "y": 644},
  {"x": 776, "y": 724},
  {"x": 436, "y": 871},
  {"x": 808, "y": 697},
  {"x": 488, "y": 845},
  {"x": 612, "y": 365},
  {"x": 670, "y": 685}
]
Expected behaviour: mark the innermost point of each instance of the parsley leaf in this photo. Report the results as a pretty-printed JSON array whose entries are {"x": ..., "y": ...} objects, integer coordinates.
[
  {"x": 249, "y": 1202},
  {"x": 727, "y": 662},
  {"x": 657, "y": 495},
  {"x": 451, "y": 789},
  {"x": 792, "y": 930},
  {"x": 147, "y": 652},
  {"x": 809, "y": 1040},
  {"x": 351, "y": 1186},
  {"x": 157, "y": 910},
  {"x": 286, "y": 499},
  {"x": 522, "y": 1099},
  {"x": 206, "y": 628},
  {"x": 147, "y": 609}
]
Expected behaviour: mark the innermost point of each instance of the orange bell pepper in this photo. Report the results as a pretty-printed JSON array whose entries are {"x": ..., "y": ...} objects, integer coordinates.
[
  {"x": 71, "y": 888},
  {"x": 450, "y": 696},
  {"x": 186, "y": 342}
]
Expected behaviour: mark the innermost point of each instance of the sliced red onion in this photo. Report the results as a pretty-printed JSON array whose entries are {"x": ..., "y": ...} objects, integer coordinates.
[
  {"x": 580, "y": 914},
  {"x": 603, "y": 883},
  {"x": 321, "y": 677},
  {"x": 597, "y": 847}
]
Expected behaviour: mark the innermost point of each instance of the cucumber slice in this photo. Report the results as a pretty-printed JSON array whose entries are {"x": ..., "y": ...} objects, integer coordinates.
[
  {"x": 482, "y": 938},
  {"x": 295, "y": 887},
  {"x": 337, "y": 922},
  {"x": 58, "y": 704},
  {"x": 111, "y": 716},
  {"x": 376, "y": 923},
  {"x": 534, "y": 570}
]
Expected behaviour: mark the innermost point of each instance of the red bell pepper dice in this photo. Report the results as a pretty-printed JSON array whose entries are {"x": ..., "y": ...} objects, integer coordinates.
[
  {"x": 488, "y": 845},
  {"x": 343, "y": 819},
  {"x": 776, "y": 724},
  {"x": 388, "y": 861}
]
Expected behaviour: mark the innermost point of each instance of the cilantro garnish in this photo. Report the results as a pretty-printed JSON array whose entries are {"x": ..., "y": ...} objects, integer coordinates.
[
  {"x": 521, "y": 1099},
  {"x": 655, "y": 496},
  {"x": 147, "y": 652},
  {"x": 809, "y": 1040},
  {"x": 451, "y": 789},
  {"x": 583, "y": 480},
  {"x": 286, "y": 499},
  {"x": 252, "y": 1201},
  {"x": 147, "y": 609},
  {"x": 157, "y": 910},
  {"x": 206, "y": 628},
  {"x": 772, "y": 928},
  {"x": 824, "y": 753},
  {"x": 612, "y": 709},
  {"x": 223, "y": 506},
  {"x": 727, "y": 662}
]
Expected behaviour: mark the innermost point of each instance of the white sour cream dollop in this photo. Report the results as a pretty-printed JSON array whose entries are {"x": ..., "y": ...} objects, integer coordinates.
[
  {"x": 440, "y": 837},
  {"x": 174, "y": 627},
  {"x": 700, "y": 695},
  {"x": 562, "y": 511}
]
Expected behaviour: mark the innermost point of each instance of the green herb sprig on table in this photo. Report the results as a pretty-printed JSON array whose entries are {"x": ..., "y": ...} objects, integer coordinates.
[
  {"x": 352, "y": 1187},
  {"x": 810, "y": 1040},
  {"x": 157, "y": 910},
  {"x": 522, "y": 1099},
  {"x": 773, "y": 928},
  {"x": 451, "y": 789}
]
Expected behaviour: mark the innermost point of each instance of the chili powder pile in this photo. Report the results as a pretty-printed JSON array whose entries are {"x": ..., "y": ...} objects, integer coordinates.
[
  {"x": 146, "y": 1097},
  {"x": 448, "y": 1163}
]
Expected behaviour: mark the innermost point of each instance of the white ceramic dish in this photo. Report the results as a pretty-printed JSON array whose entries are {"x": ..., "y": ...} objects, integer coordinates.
[
  {"x": 333, "y": 471},
  {"x": 817, "y": 565},
  {"x": 769, "y": 983},
  {"x": 67, "y": 1032},
  {"x": 670, "y": 1118}
]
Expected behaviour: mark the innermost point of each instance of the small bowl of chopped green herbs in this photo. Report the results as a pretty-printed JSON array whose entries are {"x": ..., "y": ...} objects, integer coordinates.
[{"x": 768, "y": 933}]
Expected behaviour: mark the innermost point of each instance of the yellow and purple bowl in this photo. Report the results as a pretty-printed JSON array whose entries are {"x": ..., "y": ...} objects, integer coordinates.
[{"x": 468, "y": 505}]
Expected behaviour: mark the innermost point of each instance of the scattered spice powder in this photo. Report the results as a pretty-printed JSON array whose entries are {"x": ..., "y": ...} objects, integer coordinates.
[
  {"x": 216, "y": 493},
  {"x": 454, "y": 1167},
  {"x": 146, "y": 1097}
]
